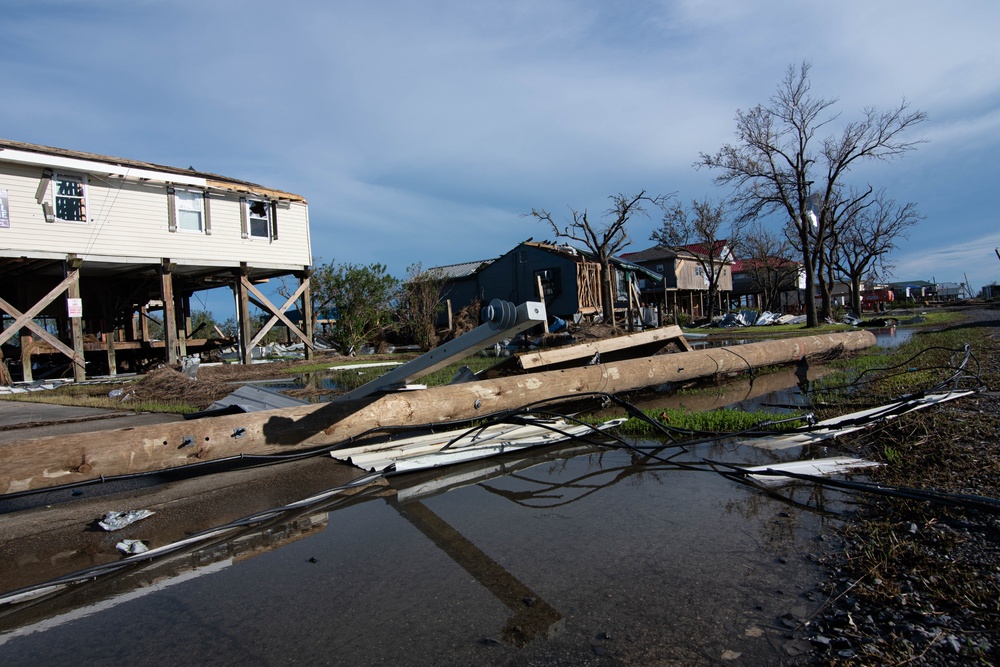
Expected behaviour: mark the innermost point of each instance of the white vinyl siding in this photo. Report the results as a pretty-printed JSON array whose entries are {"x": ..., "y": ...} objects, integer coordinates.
[{"x": 129, "y": 222}]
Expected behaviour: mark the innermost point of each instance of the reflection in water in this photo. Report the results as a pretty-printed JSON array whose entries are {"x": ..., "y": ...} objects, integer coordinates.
[
  {"x": 639, "y": 548},
  {"x": 111, "y": 583},
  {"x": 533, "y": 617},
  {"x": 538, "y": 493}
]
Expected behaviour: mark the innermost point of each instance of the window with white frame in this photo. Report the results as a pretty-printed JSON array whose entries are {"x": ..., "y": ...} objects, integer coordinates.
[
  {"x": 71, "y": 198},
  {"x": 259, "y": 217},
  {"x": 190, "y": 210}
]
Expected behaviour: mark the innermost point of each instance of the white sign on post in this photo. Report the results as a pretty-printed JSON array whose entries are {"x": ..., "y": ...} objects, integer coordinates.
[{"x": 75, "y": 307}]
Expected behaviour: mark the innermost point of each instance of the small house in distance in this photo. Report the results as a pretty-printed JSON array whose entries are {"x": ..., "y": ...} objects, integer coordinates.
[
  {"x": 684, "y": 284},
  {"x": 920, "y": 291},
  {"x": 769, "y": 283},
  {"x": 89, "y": 244},
  {"x": 568, "y": 278}
]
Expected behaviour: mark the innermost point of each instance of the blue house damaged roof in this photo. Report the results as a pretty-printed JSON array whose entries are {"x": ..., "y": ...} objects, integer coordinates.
[{"x": 468, "y": 269}]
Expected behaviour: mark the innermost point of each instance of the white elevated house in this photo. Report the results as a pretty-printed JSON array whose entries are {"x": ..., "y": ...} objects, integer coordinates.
[{"x": 89, "y": 243}]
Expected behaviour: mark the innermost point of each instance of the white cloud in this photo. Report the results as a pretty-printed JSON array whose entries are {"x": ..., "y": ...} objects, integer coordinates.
[{"x": 420, "y": 132}]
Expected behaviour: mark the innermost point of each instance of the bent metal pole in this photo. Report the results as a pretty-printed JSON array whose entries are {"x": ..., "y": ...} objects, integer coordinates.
[{"x": 56, "y": 460}]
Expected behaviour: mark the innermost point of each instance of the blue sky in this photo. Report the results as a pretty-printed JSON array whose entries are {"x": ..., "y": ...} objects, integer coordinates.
[{"x": 421, "y": 132}]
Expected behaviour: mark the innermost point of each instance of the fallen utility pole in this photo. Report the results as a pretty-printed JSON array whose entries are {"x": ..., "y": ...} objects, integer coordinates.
[{"x": 55, "y": 460}]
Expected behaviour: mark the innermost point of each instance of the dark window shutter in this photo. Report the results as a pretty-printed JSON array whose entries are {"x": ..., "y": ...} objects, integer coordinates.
[
  {"x": 208, "y": 213},
  {"x": 274, "y": 221},
  {"x": 244, "y": 233},
  {"x": 171, "y": 210},
  {"x": 43, "y": 185}
]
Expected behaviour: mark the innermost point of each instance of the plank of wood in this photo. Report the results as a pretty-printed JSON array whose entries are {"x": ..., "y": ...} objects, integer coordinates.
[{"x": 560, "y": 355}]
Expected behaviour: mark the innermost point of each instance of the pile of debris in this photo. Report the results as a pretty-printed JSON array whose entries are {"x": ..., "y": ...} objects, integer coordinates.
[
  {"x": 753, "y": 318},
  {"x": 164, "y": 382}
]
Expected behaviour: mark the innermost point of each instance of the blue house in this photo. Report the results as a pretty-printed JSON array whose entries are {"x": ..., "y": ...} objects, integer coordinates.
[{"x": 568, "y": 278}]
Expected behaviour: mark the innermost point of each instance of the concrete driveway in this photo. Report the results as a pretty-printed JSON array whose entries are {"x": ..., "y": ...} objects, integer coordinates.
[{"x": 21, "y": 420}]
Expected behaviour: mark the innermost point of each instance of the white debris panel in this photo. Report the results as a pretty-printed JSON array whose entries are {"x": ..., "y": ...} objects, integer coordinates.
[
  {"x": 824, "y": 467},
  {"x": 855, "y": 421},
  {"x": 438, "y": 449}
]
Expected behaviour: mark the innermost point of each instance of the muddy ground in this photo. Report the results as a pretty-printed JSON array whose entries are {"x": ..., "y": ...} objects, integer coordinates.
[{"x": 912, "y": 582}]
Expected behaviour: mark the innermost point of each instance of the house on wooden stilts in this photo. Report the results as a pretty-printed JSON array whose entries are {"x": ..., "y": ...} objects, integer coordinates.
[{"x": 89, "y": 244}]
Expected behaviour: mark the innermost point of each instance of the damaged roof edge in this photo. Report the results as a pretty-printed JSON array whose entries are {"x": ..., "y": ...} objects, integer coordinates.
[{"x": 37, "y": 154}]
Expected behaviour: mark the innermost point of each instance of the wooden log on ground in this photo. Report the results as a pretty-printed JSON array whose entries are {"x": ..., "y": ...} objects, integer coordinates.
[{"x": 51, "y": 461}]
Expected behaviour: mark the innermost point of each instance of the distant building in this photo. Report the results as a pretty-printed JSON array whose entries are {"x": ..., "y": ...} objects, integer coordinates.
[
  {"x": 772, "y": 283},
  {"x": 569, "y": 279},
  {"x": 949, "y": 291},
  {"x": 684, "y": 286},
  {"x": 89, "y": 244},
  {"x": 914, "y": 290}
]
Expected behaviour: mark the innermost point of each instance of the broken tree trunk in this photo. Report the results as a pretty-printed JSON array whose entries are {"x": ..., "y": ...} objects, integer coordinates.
[{"x": 55, "y": 460}]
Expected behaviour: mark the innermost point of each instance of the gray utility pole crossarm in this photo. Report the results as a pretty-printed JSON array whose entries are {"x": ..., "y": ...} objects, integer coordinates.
[{"x": 501, "y": 320}]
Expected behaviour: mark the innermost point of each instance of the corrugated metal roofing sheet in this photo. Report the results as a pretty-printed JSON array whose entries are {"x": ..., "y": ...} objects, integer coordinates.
[{"x": 463, "y": 270}]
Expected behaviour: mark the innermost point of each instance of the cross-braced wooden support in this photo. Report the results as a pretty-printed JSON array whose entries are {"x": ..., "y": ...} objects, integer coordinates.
[
  {"x": 69, "y": 284},
  {"x": 247, "y": 292}
]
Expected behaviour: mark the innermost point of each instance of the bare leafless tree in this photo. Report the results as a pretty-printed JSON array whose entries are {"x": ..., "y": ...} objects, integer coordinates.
[
  {"x": 706, "y": 224},
  {"x": 604, "y": 238},
  {"x": 868, "y": 231},
  {"x": 766, "y": 255},
  {"x": 778, "y": 164}
]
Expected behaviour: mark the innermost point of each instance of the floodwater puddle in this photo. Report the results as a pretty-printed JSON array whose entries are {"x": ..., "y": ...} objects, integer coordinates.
[
  {"x": 892, "y": 336},
  {"x": 569, "y": 554}
]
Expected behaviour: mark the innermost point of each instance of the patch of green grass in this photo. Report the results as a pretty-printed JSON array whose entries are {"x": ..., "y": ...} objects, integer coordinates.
[
  {"x": 715, "y": 421},
  {"x": 928, "y": 318},
  {"x": 892, "y": 454},
  {"x": 81, "y": 399},
  {"x": 927, "y": 358}
]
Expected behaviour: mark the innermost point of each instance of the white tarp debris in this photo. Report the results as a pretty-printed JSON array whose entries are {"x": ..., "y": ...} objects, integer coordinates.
[
  {"x": 132, "y": 547},
  {"x": 118, "y": 520},
  {"x": 765, "y": 318},
  {"x": 829, "y": 466},
  {"x": 751, "y": 318},
  {"x": 743, "y": 318}
]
